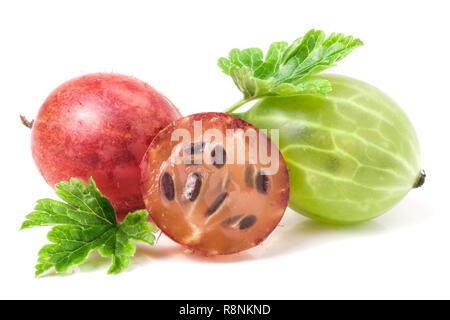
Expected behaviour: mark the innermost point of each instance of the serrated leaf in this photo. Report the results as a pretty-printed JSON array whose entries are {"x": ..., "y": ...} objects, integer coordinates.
[
  {"x": 120, "y": 248},
  {"x": 312, "y": 54},
  {"x": 273, "y": 60},
  {"x": 86, "y": 223},
  {"x": 70, "y": 246},
  {"x": 287, "y": 70},
  {"x": 225, "y": 65},
  {"x": 87, "y": 199},
  {"x": 135, "y": 227}
]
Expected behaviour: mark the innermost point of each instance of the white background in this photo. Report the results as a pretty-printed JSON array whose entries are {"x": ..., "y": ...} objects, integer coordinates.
[{"x": 174, "y": 47}]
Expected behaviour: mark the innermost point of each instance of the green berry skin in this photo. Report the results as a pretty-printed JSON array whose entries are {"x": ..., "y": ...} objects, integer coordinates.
[{"x": 352, "y": 155}]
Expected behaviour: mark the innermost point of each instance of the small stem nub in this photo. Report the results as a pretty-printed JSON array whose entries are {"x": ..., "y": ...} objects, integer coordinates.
[
  {"x": 420, "y": 180},
  {"x": 26, "y": 123}
]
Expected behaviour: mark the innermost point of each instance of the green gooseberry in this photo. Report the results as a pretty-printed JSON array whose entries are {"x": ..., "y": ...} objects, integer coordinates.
[{"x": 352, "y": 155}]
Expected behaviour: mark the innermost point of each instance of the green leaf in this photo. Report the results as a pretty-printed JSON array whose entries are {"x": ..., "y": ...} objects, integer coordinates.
[
  {"x": 85, "y": 223},
  {"x": 135, "y": 227},
  {"x": 287, "y": 70}
]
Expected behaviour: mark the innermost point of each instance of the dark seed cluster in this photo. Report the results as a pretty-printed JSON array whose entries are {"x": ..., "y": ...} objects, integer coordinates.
[
  {"x": 231, "y": 220},
  {"x": 218, "y": 156},
  {"x": 192, "y": 150},
  {"x": 262, "y": 183},
  {"x": 244, "y": 222},
  {"x": 195, "y": 148},
  {"x": 167, "y": 186},
  {"x": 216, "y": 204},
  {"x": 192, "y": 187},
  {"x": 247, "y": 222},
  {"x": 248, "y": 176}
]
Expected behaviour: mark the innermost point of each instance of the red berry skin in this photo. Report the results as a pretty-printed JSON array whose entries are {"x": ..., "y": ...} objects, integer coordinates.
[{"x": 100, "y": 125}]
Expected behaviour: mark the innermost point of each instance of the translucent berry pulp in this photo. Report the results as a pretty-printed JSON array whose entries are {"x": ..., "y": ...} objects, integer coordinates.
[{"x": 201, "y": 195}]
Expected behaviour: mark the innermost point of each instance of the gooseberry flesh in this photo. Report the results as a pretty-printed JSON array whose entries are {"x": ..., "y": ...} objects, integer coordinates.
[{"x": 201, "y": 196}]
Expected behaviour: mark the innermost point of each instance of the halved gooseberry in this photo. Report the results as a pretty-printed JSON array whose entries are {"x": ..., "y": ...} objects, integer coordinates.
[{"x": 221, "y": 189}]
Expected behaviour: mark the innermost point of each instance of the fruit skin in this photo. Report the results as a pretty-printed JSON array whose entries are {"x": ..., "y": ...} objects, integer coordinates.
[
  {"x": 351, "y": 155},
  {"x": 100, "y": 125},
  {"x": 199, "y": 223}
]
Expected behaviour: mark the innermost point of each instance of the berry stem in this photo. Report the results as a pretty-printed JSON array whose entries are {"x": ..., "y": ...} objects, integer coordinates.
[
  {"x": 26, "y": 123},
  {"x": 238, "y": 104}
]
